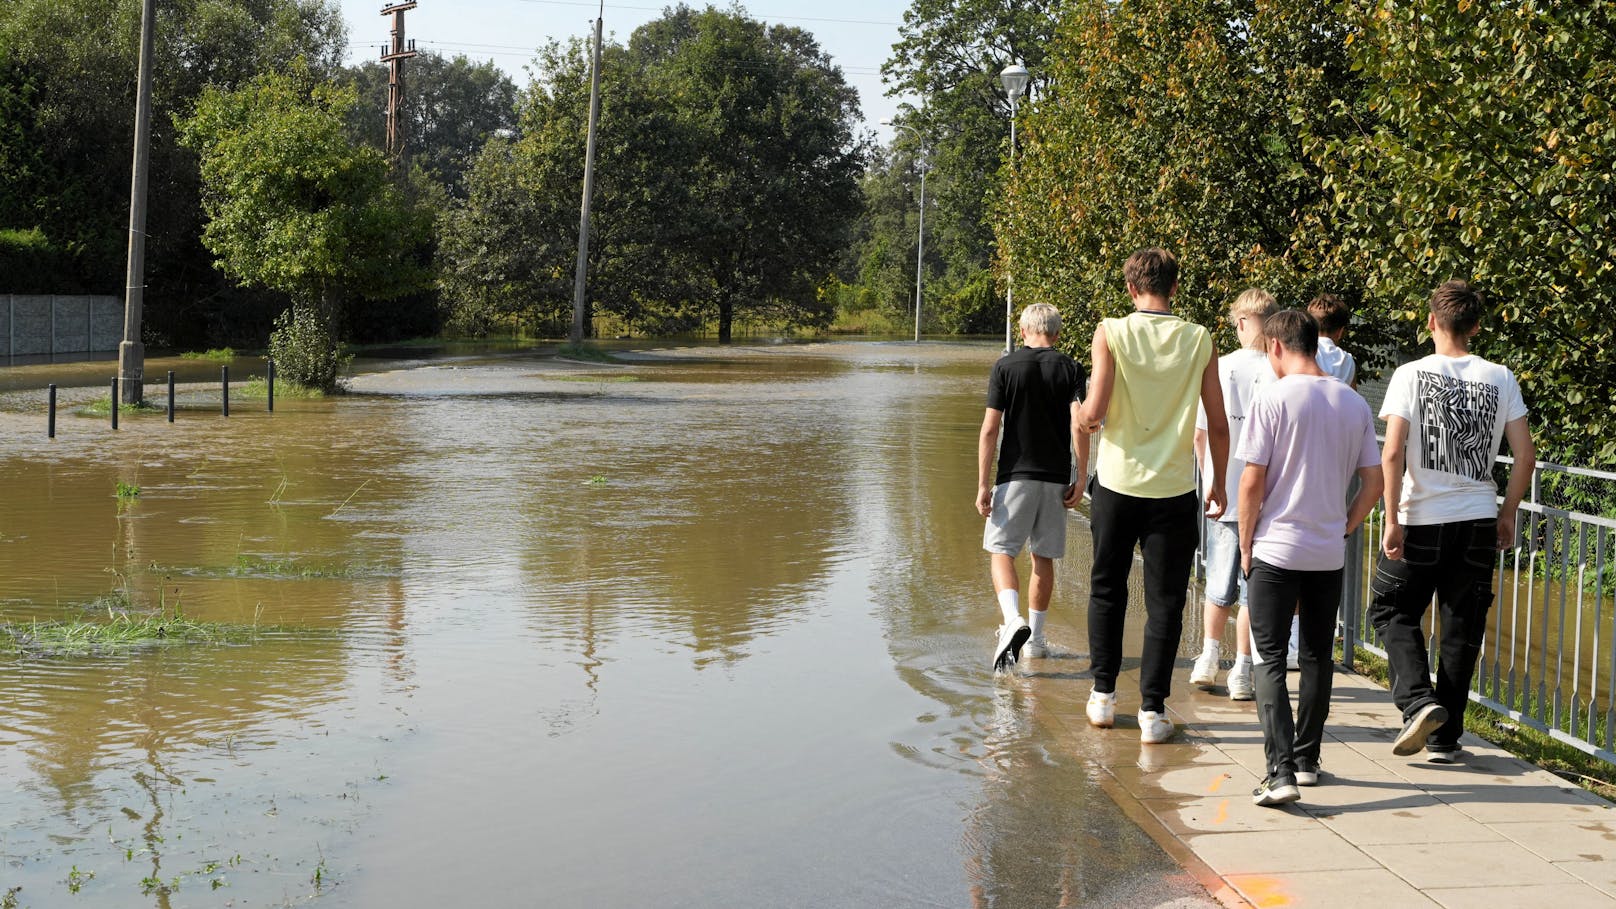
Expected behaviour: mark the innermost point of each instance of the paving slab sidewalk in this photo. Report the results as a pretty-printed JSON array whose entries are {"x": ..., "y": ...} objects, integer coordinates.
[{"x": 1378, "y": 830}]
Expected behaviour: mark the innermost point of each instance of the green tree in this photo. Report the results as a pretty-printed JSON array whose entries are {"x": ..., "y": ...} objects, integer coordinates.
[
  {"x": 75, "y": 60},
  {"x": 452, "y": 107},
  {"x": 1491, "y": 158},
  {"x": 1180, "y": 123},
  {"x": 727, "y": 181},
  {"x": 295, "y": 206},
  {"x": 950, "y": 53}
]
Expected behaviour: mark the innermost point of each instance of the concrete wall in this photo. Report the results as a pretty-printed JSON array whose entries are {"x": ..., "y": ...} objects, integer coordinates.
[{"x": 38, "y": 325}]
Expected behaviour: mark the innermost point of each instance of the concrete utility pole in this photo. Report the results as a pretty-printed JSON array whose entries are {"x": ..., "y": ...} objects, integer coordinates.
[
  {"x": 132, "y": 353},
  {"x": 580, "y": 274},
  {"x": 394, "y": 56}
]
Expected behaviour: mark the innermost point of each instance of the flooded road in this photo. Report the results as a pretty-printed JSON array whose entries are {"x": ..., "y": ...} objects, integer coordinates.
[{"x": 704, "y": 628}]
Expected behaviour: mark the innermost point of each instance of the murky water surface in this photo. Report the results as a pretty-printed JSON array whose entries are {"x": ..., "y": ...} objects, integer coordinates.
[{"x": 706, "y": 629}]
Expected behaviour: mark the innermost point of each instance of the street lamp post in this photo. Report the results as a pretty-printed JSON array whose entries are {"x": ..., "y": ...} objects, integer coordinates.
[
  {"x": 1014, "y": 78},
  {"x": 920, "y": 242}
]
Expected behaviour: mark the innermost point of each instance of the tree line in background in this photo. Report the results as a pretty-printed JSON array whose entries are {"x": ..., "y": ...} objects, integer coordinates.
[{"x": 1368, "y": 147}]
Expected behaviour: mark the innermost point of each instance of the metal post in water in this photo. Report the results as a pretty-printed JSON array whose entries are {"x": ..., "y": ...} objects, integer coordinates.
[
  {"x": 224, "y": 385},
  {"x": 270, "y": 381},
  {"x": 114, "y": 400},
  {"x": 171, "y": 396},
  {"x": 50, "y": 421}
]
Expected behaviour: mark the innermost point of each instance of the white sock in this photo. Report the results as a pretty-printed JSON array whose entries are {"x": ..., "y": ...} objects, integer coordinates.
[
  {"x": 1036, "y": 620},
  {"x": 1242, "y": 659},
  {"x": 1010, "y": 604},
  {"x": 1212, "y": 646}
]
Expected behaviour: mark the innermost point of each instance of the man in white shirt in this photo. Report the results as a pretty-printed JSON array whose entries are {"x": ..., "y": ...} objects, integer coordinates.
[
  {"x": 1333, "y": 315},
  {"x": 1445, "y": 417},
  {"x": 1240, "y": 372}
]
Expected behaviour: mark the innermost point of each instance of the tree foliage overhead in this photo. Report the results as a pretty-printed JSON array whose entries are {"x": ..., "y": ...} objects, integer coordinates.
[
  {"x": 1179, "y": 123},
  {"x": 1493, "y": 158},
  {"x": 950, "y": 54},
  {"x": 727, "y": 179}
]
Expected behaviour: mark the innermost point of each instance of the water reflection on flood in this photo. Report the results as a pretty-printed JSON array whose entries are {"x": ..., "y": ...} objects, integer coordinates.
[{"x": 713, "y": 636}]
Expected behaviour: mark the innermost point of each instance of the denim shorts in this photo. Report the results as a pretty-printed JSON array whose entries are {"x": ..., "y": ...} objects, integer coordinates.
[
  {"x": 1224, "y": 585},
  {"x": 1027, "y": 511}
]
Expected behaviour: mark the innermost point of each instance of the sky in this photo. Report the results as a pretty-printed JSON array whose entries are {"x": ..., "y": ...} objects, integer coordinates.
[{"x": 858, "y": 34}]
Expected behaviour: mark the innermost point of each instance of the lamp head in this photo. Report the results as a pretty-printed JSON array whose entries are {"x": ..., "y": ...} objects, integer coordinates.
[{"x": 1014, "y": 78}]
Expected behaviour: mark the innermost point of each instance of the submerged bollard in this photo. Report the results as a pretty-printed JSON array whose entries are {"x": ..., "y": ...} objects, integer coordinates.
[
  {"x": 114, "y": 402},
  {"x": 50, "y": 422},
  {"x": 171, "y": 396},
  {"x": 270, "y": 381},
  {"x": 224, "y": 383}
]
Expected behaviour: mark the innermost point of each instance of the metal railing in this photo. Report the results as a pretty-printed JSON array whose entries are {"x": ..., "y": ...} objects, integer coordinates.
[{"x": 1549, "y": 658}]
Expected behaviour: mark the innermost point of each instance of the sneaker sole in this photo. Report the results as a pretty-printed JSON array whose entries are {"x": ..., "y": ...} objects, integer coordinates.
[
  {"x": 1445, "y": 757},
  {"x": 1108, "y": 724},
  {"x": 1012, "y": 654},
  {"x": 1304, "y": 778},
  {"x": 1280, "y": 795},
  {"x": 1205, "y": 681},
  {"x": 1412, "y": 739}
]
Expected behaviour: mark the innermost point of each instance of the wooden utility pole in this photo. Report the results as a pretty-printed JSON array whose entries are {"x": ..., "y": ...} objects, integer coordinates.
[
  {"x": 131, "y": 352},
  {"x": 394, "y": 56}
]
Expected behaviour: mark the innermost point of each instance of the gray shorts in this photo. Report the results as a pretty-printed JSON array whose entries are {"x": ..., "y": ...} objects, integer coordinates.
[
  {"x": 1027, "y": 511},
  {"x": 1224, "y": 585}
]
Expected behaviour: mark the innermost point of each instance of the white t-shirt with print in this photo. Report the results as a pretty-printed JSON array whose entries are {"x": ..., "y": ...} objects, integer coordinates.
[
  {"x": 1456, "y": 408},
  {"x": 1241, "y": 373}
]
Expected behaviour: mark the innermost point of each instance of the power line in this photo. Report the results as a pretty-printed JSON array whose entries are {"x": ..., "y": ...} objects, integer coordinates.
[{"x": 756, "y": 15}]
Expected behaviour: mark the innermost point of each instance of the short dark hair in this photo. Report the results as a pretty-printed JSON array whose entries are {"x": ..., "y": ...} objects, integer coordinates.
[
  {"x": 1331, "y": 312},
  {"x": 1152, "y": 271},
  {"x": 1294, "y": 329},
  {"x": 1457, "y": 306}
]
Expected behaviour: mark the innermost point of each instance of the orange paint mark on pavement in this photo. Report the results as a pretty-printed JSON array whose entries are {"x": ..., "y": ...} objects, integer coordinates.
[
  {"x": 1223, "y": 812},
  {"x": 1265, "y": 892},
  {"x": 1217, "y": 784}
]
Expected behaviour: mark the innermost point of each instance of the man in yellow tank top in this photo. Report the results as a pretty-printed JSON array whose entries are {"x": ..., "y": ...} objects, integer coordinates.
[{"x": 1150, "y": 370}]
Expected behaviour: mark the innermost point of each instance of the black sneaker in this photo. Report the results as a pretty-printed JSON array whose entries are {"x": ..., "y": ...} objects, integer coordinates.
[
  {"x": 1452, "y": 755},
  {"x": 1278, "y": 789},
  {"x": 1307, "y": 772},
  {"x": 1419, "y": 727}
]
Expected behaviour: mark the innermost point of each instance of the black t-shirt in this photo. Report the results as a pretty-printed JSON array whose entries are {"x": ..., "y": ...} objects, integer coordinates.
[{"x": 1035, "y": 388}]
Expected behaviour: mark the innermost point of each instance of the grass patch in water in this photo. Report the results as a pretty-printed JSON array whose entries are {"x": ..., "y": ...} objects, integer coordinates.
[
  {"x": 585, "y": 352},
  {"x": 1528, "y": 744},
  {"x": 251, "y": 566},
  {"x": 126, "y": 491},
  {"x": 216, "y": 354},
  {"x": 121, "y": 632},
  {"x": 102, "y": 407},
  {"x": 257, "y": 388}
]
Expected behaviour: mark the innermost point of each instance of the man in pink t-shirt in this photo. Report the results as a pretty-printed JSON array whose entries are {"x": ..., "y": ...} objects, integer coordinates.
[{"x": 1306, "y": 435}]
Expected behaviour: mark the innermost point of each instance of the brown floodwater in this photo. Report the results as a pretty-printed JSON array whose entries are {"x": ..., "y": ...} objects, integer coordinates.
[{"x": 709, "y": 628}]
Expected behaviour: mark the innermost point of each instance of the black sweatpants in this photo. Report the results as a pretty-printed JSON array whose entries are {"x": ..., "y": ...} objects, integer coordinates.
[{"x": 1273, "y": 593}]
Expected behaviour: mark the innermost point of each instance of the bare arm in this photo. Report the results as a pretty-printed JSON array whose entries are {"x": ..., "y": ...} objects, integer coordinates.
[
  {"x": 1217, "y": 437},
  {"x": 1520, "y": 478},
  {"x": 987, "y": 443},
  {"x": 1370, "y": 482},
  {"x": 1253, "y": 487},
  {"x": 1080, "y": 448},
  {"x": 1392, "y": 458},
  {"x": 1100, "y": 384}
]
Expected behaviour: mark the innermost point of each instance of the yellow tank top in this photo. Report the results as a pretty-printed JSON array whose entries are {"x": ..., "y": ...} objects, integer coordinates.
[{"x": 1147, "y": 448}]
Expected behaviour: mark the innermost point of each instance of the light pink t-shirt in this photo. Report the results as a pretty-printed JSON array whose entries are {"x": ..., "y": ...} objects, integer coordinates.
[{"x": 1313, "y": 434}]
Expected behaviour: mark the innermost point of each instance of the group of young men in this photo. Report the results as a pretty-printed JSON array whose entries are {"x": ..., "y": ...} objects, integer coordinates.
[{"x": 1289, "y": 465}]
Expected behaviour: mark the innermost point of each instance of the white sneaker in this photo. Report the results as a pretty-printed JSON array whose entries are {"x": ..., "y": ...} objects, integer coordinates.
[
  {"x": 1102, "y": 709},
  {"x": 1036, "y": 649},
  {"x": 1205, "y": 673},
  {"x": 1154, "y": 728},
  {"x": 1007, "y": 650},
  {"x": 1240, "y": 683}
]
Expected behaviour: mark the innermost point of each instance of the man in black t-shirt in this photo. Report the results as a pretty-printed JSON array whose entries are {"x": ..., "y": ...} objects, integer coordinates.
[{"x": 1033, "y": 394}]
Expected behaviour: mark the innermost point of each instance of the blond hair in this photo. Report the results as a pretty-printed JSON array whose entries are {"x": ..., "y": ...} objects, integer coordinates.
[
  {"x": 1041, "y": 319},
  {"x": 1253, "y": 303}
]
